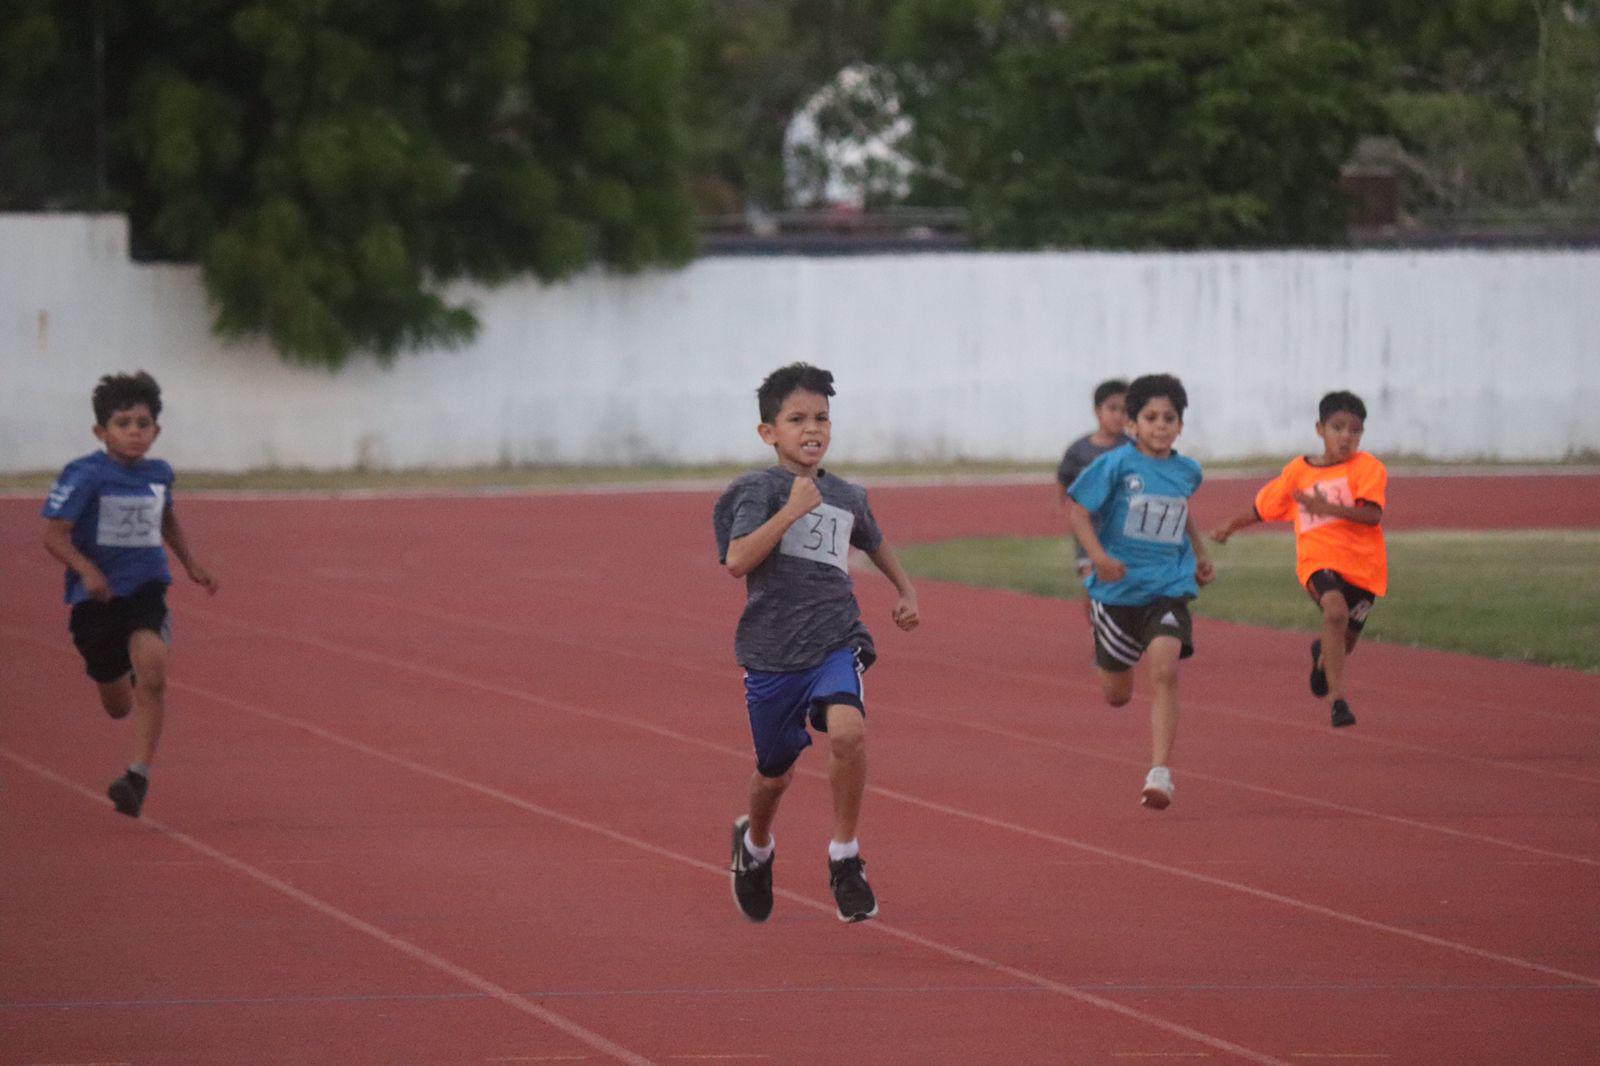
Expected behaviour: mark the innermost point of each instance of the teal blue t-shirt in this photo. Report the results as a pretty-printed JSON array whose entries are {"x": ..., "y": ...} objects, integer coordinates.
[{"x": 1140, "y": 507}]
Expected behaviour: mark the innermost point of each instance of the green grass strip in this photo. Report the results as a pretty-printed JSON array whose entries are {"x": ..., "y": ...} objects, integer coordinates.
[{"x": 1523, "y": 596}]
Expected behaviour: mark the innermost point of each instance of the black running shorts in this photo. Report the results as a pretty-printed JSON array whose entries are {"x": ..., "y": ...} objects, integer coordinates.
[
  {"x": 1358, "y": 599},
  {"x": 1121, "y": 634},
  {"x": 101, "y": 631}
]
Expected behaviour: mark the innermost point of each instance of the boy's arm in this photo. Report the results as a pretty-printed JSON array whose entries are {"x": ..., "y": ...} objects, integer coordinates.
[
  {"x": 1105, "y": 567},
  {"x": 1231, "y": 526},
  {"x": 749, "y": 551},
  {"x": 1364, "y": 513},
  {"x": 1204, "y": 570},
  {"x": 906, "y": 613},
  {"x": 172, "y": 533},
  {"x": 58, "y": 542}
]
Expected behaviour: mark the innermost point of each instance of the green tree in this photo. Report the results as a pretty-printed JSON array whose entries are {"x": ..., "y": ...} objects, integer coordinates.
[
  {"x": 334, "y": 164},
  {"x": 1492, "y": 103},
  {"x": 1131, "y": 123}
]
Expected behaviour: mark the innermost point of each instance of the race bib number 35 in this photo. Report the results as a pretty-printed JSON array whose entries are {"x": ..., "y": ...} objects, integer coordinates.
[
  {"x": 1156, "y": 518},
  {"x": 823, "y": 536},
  {"x": 130, "y": 522}
]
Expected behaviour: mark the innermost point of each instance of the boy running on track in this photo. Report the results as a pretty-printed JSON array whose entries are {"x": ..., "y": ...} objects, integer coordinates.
[
  {"x": 1336, "y": 502},
  {"x": 105, "y": 520},
  {"x": 1130, "y": 511},
  {"x": 788, "y": 531},
  {"x": 1110, "y": 432}
]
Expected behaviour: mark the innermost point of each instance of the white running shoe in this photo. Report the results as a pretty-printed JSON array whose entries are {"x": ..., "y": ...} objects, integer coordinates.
[{"x": 1157, "y": 788}]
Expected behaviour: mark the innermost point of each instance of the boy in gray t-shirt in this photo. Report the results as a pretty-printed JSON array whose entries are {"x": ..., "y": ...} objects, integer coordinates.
[
  {"x": 1110, "y": 432},
  {"x": 788, "y": 531}
]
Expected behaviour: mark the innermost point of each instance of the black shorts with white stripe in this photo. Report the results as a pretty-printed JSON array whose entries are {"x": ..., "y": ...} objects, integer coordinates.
[{"x": 1122, "y": 633}]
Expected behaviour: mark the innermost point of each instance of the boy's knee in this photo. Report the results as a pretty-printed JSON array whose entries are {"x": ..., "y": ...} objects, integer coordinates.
[
  {"x": 848, "y": 737},
  {"x": 117, "y": 699},
  {"x": 777, "y": 784},
  {"x": 1117, "y": 688},
  {"x": 1163, "y": 673},
  {"x": 1336, "y": 611}
]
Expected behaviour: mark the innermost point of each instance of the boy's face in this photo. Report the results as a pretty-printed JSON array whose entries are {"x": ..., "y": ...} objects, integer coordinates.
[
  {"x": 1341, "y": 436},
  {"x": 1113, "y": 415},
  {"x": 1157, "y": 426},
  {"x": 800, "y": 432},
  {"x": 128, "y": 433}
]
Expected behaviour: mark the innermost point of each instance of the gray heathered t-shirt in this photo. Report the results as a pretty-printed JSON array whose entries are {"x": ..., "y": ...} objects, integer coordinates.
[
  {"x": 1080, "y": 453},
  {"x": 801, "y": 604}
]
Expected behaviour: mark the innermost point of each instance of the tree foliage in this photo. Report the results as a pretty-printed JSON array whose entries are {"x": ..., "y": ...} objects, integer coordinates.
[
  {"x": 1127, "y": 123},
  {"x": 334, "y": 164},
  {"x": 1490, "y": 102}
]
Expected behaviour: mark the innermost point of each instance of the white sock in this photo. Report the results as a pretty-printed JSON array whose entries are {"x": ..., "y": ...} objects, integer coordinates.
[
  {"x": 849, "y": 849},
  {"x": 140, "y": 768},
  {"x": 759, "y": 854}
]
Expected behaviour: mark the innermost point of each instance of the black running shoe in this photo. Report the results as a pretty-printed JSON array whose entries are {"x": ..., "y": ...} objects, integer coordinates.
[
  {"x": 127, "y": 793},
  {"x": 1319, "y": 679},
  {"x": 1341, "y": 715},
  {"x": 850, "y": 889},
  {"x": 752, "y": 881}
]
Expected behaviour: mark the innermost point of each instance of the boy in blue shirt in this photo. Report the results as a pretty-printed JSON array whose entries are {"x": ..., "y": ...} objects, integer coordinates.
[
  {"x": 788, "y": 531},
  {"x": 1148, "y": 562},
  {"x": 105, "y": 520}
]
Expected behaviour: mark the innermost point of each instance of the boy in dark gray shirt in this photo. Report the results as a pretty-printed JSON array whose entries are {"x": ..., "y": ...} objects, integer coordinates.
[
  {"x": 788, "y": 531},
  {"x": 1110, "y": 432}
]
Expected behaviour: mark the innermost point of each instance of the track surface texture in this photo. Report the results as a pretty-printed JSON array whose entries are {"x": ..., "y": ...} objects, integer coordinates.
[{"x": 449, "y": 781}]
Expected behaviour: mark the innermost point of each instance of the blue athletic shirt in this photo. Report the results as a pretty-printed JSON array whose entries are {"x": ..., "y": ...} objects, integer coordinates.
[
  {"x": 116, "y": 514},
  {"x": 1140, "y": 507}
]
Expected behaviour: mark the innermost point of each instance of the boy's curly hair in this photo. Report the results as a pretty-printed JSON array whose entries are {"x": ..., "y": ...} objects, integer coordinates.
[
  {"x": 1146, "y": 388},
  {"x": 786, "y": 379},
  {"x": 118, "y": 392}
]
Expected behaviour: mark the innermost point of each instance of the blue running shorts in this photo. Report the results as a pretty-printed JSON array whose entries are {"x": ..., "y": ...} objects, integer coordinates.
[{"x": 781, "y": 704}]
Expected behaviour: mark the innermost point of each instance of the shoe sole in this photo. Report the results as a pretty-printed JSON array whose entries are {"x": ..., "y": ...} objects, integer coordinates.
[
  {"x": 851, "y": 919},
  {"x": 739, "y": 828},
  {"x": 1155, "y": 799}
]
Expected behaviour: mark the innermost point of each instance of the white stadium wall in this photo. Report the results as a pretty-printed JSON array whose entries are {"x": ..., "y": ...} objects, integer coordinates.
[{"x": 1459, "y": 354}]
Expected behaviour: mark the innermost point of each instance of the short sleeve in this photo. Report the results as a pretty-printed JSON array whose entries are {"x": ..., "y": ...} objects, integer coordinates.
[
  {"x": 1370, "y": 483},
  {"x": 1093, "y": 487},
  {"x": 739, "y": 512},
  {"x": 72, "y": 492},
  {"x": 864, "y": 533},
  {"x": 1275, "y": 501},
  {"x": 1068, "y": 471}
]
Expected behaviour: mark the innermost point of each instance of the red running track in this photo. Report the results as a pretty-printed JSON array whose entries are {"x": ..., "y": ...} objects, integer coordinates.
[{"x": 449, "y": 781}]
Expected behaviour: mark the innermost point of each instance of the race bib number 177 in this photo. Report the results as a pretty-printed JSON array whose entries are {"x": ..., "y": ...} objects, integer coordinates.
[{"x": 1156, "y": 518}]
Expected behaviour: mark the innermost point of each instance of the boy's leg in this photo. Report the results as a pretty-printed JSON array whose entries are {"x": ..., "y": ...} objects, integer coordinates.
[
  {"x": 117, "y": 696},
  {"x": 847, "y": 768},
  {"x": 1116, "y": 686},
  {"x": 1335, "y": 639},
  {"x": 1162, "y": 656},
  {"x": 765, "y": 792},
  {"x": 149, "y": 654}
]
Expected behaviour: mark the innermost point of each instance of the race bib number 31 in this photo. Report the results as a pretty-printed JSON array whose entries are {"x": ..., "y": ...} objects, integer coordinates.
[
  {"x": 1156, "y": 518},
  {"x": 130, "y": 522},
  {"x": 823, "y": 536}
]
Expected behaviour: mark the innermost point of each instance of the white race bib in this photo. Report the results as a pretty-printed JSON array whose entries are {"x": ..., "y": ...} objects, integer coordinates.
[
  {"x": 1334, "y": 491},
  {"x": 823, "y": 536},
  {"x": 131, "y": 521},
  {"x": 1161, "y": 519}
]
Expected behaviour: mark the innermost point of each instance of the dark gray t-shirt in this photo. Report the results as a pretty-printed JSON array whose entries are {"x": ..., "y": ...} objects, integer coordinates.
[
  {"x": 801, "y": 604},
  {"x": 1080, "y": 453}
]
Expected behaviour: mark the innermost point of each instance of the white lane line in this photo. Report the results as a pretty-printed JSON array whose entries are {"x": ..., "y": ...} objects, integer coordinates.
[
  {"x": 405, "y": 947},
  {"x": 563, "y": 707}
]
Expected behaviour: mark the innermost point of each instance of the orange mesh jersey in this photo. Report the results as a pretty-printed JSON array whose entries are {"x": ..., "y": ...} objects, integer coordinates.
[{"x": 1322, "y": 542}]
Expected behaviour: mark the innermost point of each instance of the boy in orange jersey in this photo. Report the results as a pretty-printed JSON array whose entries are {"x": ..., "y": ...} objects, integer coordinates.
[{"x": 1336, "y": 502}]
